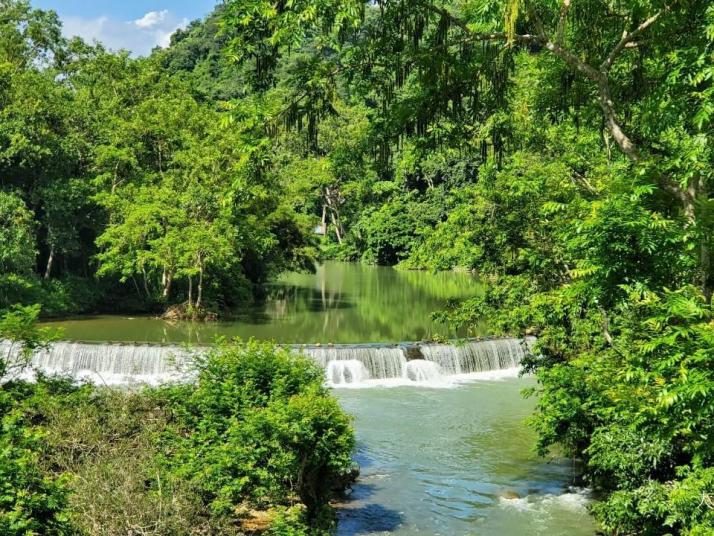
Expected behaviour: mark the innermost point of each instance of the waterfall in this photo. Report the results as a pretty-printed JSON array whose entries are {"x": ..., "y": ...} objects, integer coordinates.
[
  {"x": 421, "y": 370},
  {"x": 381, "y": 362},
  {"x": 345, "y": 365},
  {"x": 345, "y": 371},
  {"x": 476, "y": 356},
  {"x": 111, "y": 364}
]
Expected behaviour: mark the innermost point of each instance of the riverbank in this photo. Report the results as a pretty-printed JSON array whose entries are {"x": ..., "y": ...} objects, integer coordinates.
[{"x": 87, "y": 459}]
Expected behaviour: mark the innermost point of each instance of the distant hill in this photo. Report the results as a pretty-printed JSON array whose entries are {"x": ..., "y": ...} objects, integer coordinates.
[{"x": 197, "y": 51}]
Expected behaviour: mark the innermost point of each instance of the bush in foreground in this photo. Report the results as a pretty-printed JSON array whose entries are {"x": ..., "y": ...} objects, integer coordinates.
[
  {"x": 259, "y": 429},
  {"x": 256, "y": 445}
]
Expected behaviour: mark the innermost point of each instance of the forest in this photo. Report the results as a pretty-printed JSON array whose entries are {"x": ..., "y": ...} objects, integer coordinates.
[{"x": 563, "y": 150}]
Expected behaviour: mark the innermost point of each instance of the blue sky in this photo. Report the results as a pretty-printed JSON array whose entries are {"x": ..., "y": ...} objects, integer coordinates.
[{"x": 135, "y": 25}]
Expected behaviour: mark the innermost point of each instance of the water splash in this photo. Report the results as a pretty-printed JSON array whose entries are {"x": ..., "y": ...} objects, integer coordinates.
[
  {"x": 573, "y": 498},
  {"x": 421, "y": 370},
  {"x": 110, "y": 364},
  {"x": 346, "y": 371},
  {"x": 381, "y": 362}
]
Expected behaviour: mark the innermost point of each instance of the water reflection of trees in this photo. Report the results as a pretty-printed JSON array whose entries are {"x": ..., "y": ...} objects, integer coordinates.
[
  {"x": 341, "y": 302},
  {"x": 443, "y": 285},
  {"x": 284, "y": 300},
  {"x": 366, "y": 303}
]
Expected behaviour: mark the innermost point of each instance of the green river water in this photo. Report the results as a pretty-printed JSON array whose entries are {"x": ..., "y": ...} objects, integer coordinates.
[
  {"x": 340, "y": 303},
  {"x": 456, "y": 461}
]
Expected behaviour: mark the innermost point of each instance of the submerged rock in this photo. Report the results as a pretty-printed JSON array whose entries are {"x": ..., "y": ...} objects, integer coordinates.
[{"x": 412, "y": 353}]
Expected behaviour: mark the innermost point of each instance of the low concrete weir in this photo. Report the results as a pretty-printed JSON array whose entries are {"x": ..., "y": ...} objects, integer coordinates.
[{"x": 344, "y": 364}]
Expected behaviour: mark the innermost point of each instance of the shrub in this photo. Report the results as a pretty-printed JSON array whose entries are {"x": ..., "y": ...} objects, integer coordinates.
[{"x": 258, "y": 430}]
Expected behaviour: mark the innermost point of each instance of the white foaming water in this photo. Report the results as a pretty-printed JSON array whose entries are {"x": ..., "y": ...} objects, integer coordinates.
[
  {"x": 421, "y": 370},
  {"x": 442, "y": 382},
  {"x": 110, "y": 364},
  {"x": 438, "y": 365},
  {"x": 476, "y": 356},
  {"x": 573, "y": 499},
  {"x": 346, "y": 371},
  {"x": 381, "y": 362},
  {"x": 428, "y": 365}
]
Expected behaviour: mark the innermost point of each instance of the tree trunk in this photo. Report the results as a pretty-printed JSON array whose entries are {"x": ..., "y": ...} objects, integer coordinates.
[
  {"x": 323, "y": 229},
  {"x": 336, "y": 224},
  {"x": 705, "y": 260},
  {"x": 697, "y": 194},
  {"x": 136, "y": 286},
  {"x": 50, "y": 262},
  {"x": 199, "y": 297},
  {"x": 168, "y": 279},
  {"x": 115, "y": 178},
  {"x": 190, "y": 291},
  {"x": 146, "y": 283},
  {"x": 333, "y": 201},
  {"x": 612, "y": 124}
]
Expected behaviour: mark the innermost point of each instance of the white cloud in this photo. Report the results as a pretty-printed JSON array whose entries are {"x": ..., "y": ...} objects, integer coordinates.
[
  {"x": 139, "y": 36},
  {"x": 152, "y": 18}
]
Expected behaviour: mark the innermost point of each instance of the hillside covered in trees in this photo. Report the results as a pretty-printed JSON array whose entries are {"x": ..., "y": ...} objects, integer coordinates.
[{"x": 560, "y": 149}]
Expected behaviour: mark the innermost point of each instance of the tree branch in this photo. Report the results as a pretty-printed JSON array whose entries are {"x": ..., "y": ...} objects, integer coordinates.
[
  {"x": 600, "y": 76},
  {"x": 573, "y": 61},
  {"x": 447, "y": 14},
  {"x": 478, "y": 36},
  {"x": 613, "y": 126},
  {"x": 563, "y": 53},
  {"x": 606, "y": 326},
  {"x": 581, "y": 181},
  {"x": 630, "y": 37},
  {"x": 540, "y": 28},
  {"x": 560, "y": 31}
]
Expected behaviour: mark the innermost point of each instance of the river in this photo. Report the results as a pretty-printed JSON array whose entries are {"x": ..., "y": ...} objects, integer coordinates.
[
  {"x": 456, "y": 461},
  {"x": 339, "y": 303}
]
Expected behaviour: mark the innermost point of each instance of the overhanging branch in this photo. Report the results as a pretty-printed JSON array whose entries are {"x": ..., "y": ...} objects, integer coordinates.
[{"x": 628, "y": 38}]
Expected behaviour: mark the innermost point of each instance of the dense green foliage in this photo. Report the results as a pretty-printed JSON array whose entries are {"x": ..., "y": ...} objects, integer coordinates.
[
  {"x": 258, "y": 428},
  {"x": 257, "y": 443},
  {"x": 563, "y": 150},
  {"x": 31, "y": 502},
  {"x": 124, "y": 173}
]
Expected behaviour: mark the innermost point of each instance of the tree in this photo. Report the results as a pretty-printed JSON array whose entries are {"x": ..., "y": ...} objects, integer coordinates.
[
  {"x": 590, "y": 214},
  {"x": 28, "y": 35},
  {"x": 269, "y": 409},
  {"x": 455, "y": 63},
  {"x": 16, "y": 235}
]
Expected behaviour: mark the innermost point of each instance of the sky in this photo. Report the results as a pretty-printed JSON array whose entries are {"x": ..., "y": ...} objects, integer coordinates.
[{"x": 135, "y": 25}]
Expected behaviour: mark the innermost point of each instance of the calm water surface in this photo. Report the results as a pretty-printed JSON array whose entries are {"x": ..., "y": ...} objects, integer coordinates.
[
  {"x": 451, "y": 461},
  {"x": 341, "y": 303}
]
